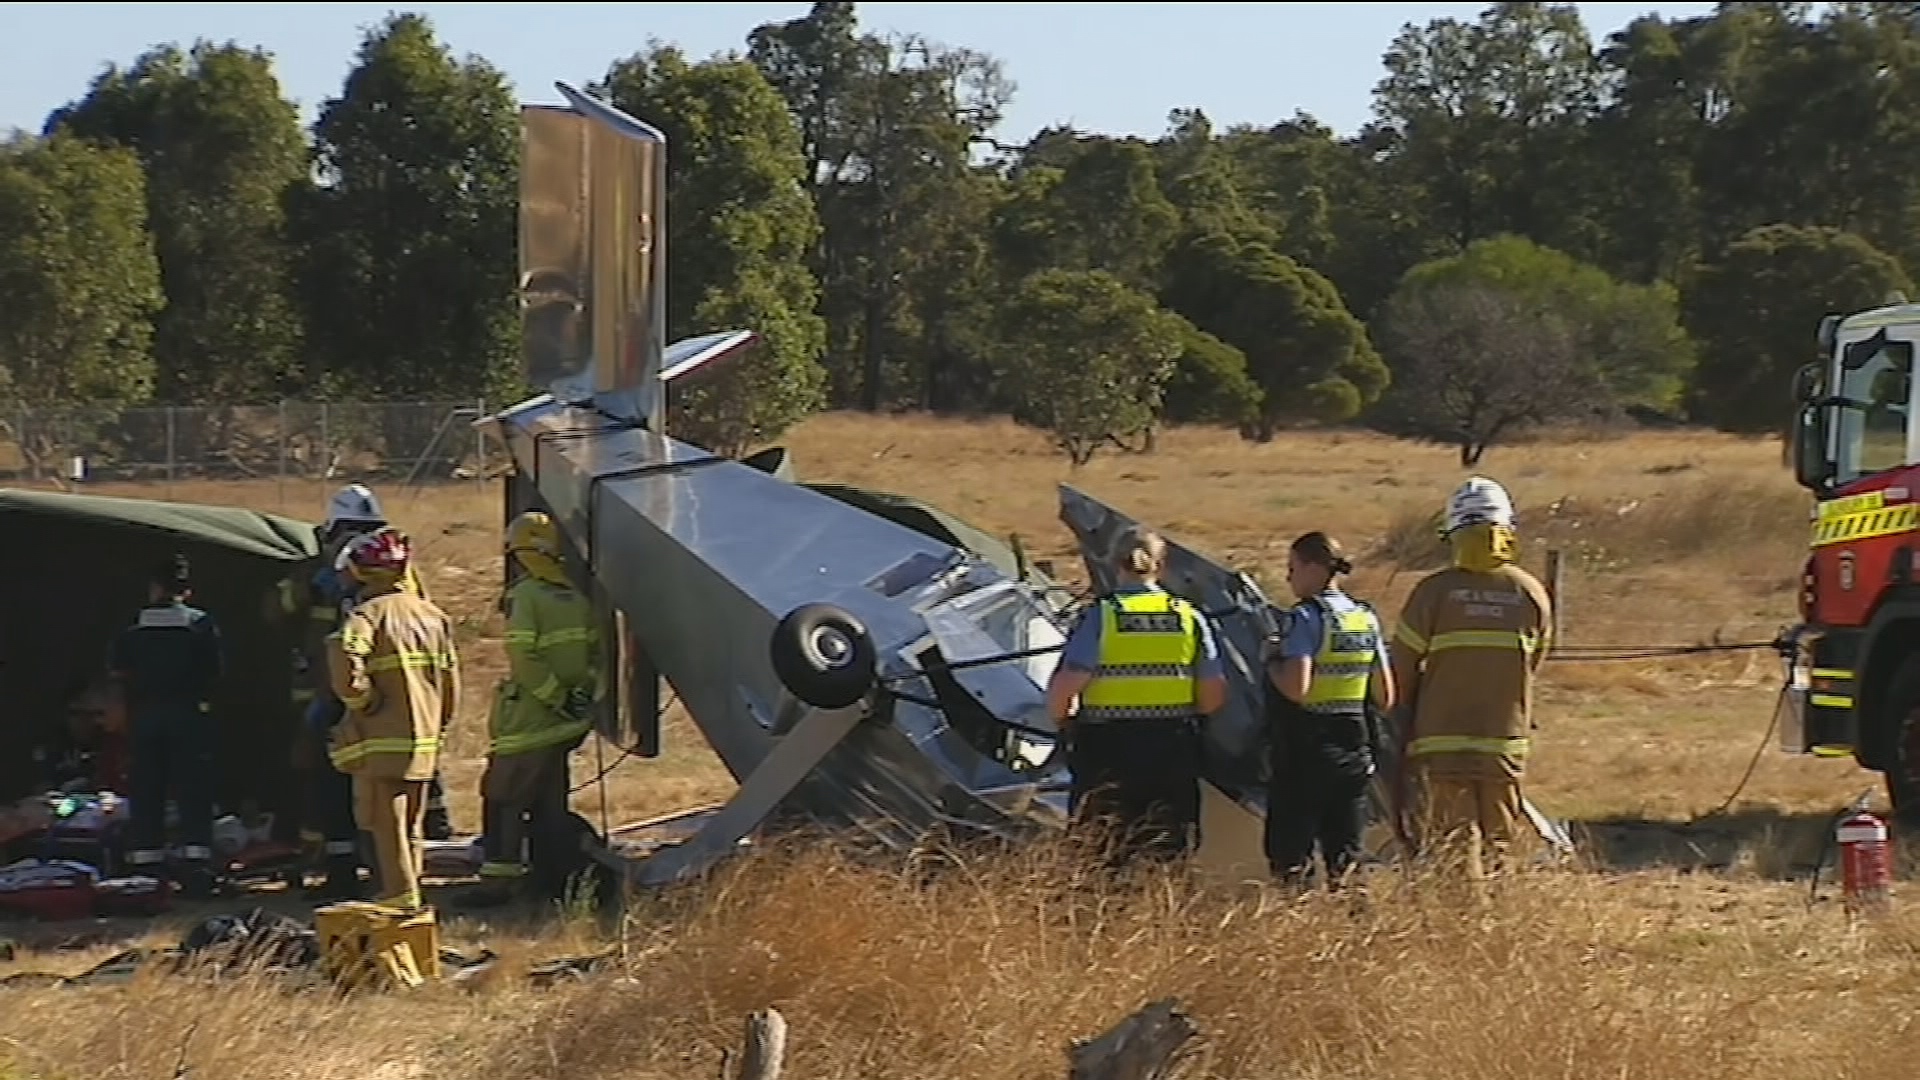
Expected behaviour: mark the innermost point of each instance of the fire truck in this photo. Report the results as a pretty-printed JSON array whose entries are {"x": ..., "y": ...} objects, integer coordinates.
[{"x": 1855, "y": 685}]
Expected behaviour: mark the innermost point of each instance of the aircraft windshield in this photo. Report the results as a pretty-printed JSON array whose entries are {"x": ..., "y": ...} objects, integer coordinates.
[
  {"x": 995, "y": 621},
  {"x": 1870, "y": 427}
]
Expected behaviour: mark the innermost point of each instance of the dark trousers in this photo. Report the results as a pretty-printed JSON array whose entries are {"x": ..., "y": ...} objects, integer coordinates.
[
  {"x": 1141, "y": 780},
  {"x": 172, "y": 755},
  {"x": 524, "y": 805},
  {"x": 1317, "y": 796},
  {"x": 331, "y": 796}
]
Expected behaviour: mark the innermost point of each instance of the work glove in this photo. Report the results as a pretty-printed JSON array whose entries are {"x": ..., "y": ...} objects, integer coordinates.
[{"x": 577, "y": 707}]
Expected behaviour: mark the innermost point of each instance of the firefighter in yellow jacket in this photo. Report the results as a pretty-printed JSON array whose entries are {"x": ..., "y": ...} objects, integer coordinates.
[
  {"x": 394, "y": 668},
  {"x": 541, "y": 711},
  {"x": 1464, "y": 656}
]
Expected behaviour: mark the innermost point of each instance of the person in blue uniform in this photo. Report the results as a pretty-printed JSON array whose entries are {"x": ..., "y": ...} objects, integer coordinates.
[
  {"x": 1138, "y": 674},
  {"x": 1327, "y": 666},
  {"x": 167, "y": 665}
]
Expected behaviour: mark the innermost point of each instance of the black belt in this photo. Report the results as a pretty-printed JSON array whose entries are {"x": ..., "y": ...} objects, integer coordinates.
[{"x": 1136, "y": 721}]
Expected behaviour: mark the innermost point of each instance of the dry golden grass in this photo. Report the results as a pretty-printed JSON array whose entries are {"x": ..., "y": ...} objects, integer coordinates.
[
  {"x": 1612, "y": 970},
  {"x": 989, "y": 971}
]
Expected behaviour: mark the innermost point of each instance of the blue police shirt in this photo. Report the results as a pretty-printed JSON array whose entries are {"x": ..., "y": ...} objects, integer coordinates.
[
  {"x": 1306, "y": 626},
  {"x": 169, "y": 656},
  {"x": 1082, "y": 650}
]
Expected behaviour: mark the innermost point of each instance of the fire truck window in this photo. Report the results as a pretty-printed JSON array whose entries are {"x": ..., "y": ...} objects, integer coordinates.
[{"x": 1872, "y": 434}]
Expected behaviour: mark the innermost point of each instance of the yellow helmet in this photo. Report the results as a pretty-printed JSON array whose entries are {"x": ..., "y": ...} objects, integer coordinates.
[{"x": 534, "y": 531}]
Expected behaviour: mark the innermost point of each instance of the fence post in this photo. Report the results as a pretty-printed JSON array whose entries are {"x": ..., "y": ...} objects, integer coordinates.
[
  {"x": 280, "y": 474},
  {"x": 169, "y": 451},
  {"x": 1557, "y": 594},
  {"x": 479, "y": 443}
]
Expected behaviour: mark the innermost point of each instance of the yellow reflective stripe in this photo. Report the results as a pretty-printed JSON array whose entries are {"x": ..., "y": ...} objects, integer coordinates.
[
  {"x": 521, "y": 637},
  {"x": 303, "y": 694},
  {"x": 1485, "y": 639},
  {"x": 502, "y": 870},
  {"x": 578, "y": 635},
  {"x": 1406, "y": 635},
  {"x": 404, "y": 901},
  {"x": 1830, "y": 701},
  {"x": 540, "y": 738},
  {"x": 1831, "y": 673},
  {"x": 549, "y": 691},
  {"x": 355, "y": 644},
  {"x": 1468, "y": 744},
  {"x": 1866, "y": 524},
  {"x": 366, "y": 748},
  {"x": 410, "y": 660}
]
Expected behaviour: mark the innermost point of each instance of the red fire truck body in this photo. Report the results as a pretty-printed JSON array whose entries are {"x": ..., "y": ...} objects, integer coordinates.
[{"x": 1857, "y": 680}]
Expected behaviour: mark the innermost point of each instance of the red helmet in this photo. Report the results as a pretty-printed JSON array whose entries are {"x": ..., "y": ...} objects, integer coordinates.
[{"x": 384, "y": 553}]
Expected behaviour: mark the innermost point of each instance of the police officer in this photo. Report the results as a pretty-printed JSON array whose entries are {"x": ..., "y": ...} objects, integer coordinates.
[
  {"x": 1143, "y": 668},
  {"x": 1327, "y": 663},
  {"x": 167, "y": 665}
]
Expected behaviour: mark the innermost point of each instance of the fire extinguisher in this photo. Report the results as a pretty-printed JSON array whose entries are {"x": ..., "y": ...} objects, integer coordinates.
[{"x": 1866, "y": 860}]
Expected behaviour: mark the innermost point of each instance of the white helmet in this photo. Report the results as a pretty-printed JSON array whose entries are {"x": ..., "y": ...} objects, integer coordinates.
[
  {"x": 1479, "y": 501},
  {"x": 354, "y": 503}
]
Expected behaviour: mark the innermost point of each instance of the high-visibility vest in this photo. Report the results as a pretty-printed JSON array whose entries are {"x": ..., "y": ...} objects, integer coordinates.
[
  {"x": 1349, "y": 643},
  {"x": 1148, "y": 644}
]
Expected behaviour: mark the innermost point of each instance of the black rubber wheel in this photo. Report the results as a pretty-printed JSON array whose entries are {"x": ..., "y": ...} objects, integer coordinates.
[
  {"x": 1903, "y": 774},
  {"x": 823, "y": 656}
]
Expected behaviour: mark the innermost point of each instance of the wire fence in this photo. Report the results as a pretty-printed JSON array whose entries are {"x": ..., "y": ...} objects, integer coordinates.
[{"x": 412, "y": 442}]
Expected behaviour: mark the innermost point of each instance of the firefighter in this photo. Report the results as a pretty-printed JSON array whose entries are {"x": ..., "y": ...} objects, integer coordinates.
[
  {"x": 1136, "y": 676},
  {"x": 1465, "y": 652},
  {"x": 1327, "y": 663},
  {"x": 167, "y": 665},
  {"x": 354, "y": 512},
  {"x": 394, "y": 668},
  {"x": 541, "y": 710}
]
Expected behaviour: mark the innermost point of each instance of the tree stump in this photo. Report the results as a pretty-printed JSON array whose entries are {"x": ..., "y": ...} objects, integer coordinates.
[{"x": 1144, "y": 1046}]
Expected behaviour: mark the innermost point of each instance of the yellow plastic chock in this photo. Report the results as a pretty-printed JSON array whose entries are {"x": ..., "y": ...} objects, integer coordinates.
[{"x": 362, "y": 944}]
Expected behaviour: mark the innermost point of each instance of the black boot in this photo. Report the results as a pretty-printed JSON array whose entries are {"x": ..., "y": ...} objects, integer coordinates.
[
  {"x": 195, "y": 880},
  {"x": 342, "y": 883},
  {"x": 437, "y": 826}
]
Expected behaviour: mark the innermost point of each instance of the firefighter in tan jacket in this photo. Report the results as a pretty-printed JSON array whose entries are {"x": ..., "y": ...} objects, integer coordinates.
[
  {"x": 394, "y": 667},
  {"x": 1464, "y": 655}
]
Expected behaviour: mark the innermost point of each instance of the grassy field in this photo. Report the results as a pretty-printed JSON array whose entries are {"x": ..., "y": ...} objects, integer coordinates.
[{"x": 1678, "y": 949}]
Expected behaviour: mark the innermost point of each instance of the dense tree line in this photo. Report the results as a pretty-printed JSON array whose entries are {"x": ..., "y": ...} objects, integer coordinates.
[{"x": 1534, "y": 227}]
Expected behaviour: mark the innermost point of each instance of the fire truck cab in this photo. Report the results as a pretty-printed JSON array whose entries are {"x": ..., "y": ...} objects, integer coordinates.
[{"x": 1856, "y": 673}]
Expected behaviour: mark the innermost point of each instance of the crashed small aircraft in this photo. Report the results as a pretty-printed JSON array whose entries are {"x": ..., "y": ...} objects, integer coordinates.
[{"x": 855, "y": 661}]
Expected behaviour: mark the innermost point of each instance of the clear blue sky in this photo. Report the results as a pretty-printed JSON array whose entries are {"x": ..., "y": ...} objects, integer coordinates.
[{"x": 1115, "y": 68}]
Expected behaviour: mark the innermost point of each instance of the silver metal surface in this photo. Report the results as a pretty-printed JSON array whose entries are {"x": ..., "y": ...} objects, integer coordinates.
[
  {"x": 593, "y": 256},
  {"x": 705, "y": 555}
]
